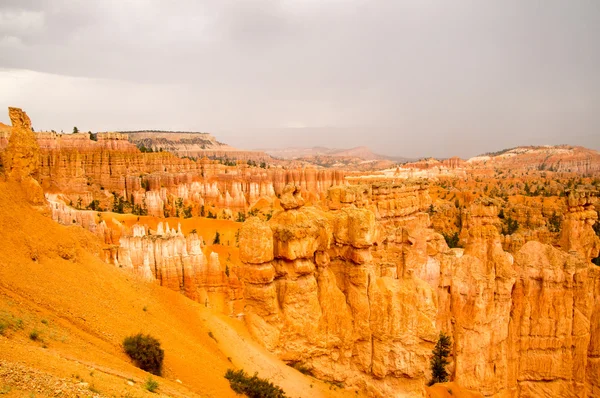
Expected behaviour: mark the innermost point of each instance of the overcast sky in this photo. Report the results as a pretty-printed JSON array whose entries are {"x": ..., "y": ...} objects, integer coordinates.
[{"x": 411, "y": 78}]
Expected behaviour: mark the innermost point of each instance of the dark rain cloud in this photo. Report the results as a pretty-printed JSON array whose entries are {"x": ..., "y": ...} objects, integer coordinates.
[{"x": 409, "y": 78}]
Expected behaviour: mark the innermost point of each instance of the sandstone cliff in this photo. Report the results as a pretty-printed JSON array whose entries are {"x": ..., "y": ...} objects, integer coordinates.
[{"x": 358, "y": 292}]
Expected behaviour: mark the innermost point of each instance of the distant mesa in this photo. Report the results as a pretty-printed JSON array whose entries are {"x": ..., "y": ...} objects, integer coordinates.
[
  {"x": 559, "y": 158},
  {"x": 192, "y": 144}
]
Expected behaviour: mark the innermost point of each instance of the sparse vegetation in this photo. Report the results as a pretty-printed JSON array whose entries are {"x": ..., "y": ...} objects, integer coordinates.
[
  {"x": 145, "y": 352},
  {"x": 8, "y": 321},
  {"x": 151, "y": 384},
  {"x": 217, "y": 239},
  {"x": 252, "y": 386},
  {"x": 510, "y": 227},
  {"x": 554, "y": 223},
  {"x": 452, "y": 239}
]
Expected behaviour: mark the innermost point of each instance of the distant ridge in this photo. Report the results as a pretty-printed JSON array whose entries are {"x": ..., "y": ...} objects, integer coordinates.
[
  {"x": 191, "y": 144},
  {"x": 360, "y": 152}
]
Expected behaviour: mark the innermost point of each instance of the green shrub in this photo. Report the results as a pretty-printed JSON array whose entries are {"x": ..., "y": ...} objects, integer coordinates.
[
  {"x": 252, "y": 387},
  {"x": 34, "y": 335},
  {"x": 511, "y": 226},
  {"x": 451, "y": 239},
  {"x": 145, "y": 352},
  {"x": 554, "y": 223},
  {"x": 151, "y": 384}
]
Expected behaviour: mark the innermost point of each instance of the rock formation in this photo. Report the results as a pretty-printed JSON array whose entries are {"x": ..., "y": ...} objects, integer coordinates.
[
  {"x": 178, "y": 263},
  {"x": 358, "y": 292},
  {"x": 577, "y": 233},
  {"x": 21, "y": 157}
]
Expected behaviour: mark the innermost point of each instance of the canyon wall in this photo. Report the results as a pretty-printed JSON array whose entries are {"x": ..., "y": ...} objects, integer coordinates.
[
  {"x": 357, "y": 291},
  {"x": 85, "y": 170}
]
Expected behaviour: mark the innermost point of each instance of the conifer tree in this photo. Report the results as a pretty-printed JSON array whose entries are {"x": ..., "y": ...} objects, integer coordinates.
[{"x": 439, "y": 361}]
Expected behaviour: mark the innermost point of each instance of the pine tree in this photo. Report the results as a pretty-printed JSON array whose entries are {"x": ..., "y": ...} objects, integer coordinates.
[{"x": 440, "y": 359}]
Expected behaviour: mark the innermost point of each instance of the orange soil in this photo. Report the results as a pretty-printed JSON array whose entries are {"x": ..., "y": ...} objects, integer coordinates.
[
  {"x": 51, "y": 278},
  {"x": 450, "y": 390}
]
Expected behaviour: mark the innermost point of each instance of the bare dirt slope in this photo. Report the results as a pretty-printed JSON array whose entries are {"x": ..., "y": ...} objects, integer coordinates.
[{"x": 53, "y": 284}]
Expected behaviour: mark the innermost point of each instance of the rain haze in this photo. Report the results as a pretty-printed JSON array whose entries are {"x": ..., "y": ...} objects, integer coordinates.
[{"x": 405, "y": 78}]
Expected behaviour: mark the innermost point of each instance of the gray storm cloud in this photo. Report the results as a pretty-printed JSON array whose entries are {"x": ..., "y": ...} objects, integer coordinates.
[{"x": 411, "y": 78}]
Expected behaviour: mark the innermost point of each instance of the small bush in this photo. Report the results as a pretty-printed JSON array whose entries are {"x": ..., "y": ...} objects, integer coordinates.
[
  {"x": 451, "y": 239},
  {"x": 511, "y": 226},
  {"x": 151, "y": 384},
  {"x": 34, "y": 335},
  {"x": 252, "y": 387},
  {"x": 300, "y": 367},
  {"x": 145, "y": 352}
]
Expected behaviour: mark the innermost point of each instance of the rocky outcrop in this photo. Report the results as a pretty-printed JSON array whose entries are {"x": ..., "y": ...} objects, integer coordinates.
[
  {"x": 21, "y": 156},
  {"x": 479, "y": 285},
  {"x": 577, "y": 233}
]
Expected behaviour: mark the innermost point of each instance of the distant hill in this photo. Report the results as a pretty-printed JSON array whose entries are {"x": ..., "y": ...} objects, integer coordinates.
[{"x": 361, "y": 152}]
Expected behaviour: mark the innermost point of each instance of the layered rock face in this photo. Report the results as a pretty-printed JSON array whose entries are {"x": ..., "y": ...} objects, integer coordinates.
[
  {"x": 314, "y": 293},
  {"x": 359, "y": 291},
  {"x": 550, "y": 333},
  {"x": 561, "y": 158},
  {"x": 178, "y": 263}
]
